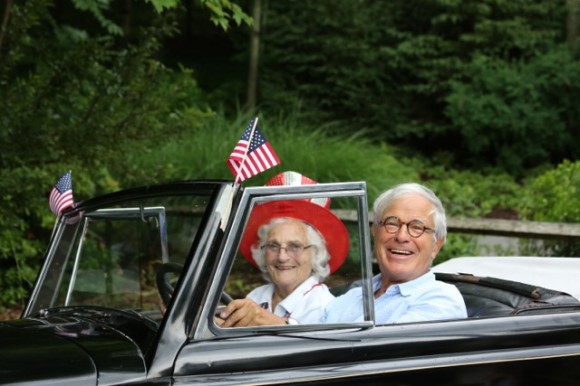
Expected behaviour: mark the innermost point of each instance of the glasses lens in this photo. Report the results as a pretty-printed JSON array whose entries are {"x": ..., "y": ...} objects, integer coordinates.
[
  {"x": 391, "y": 225},
  {"x": 272, "y": 249},
  {"x": 415, "y": 228},
  {"x": 292, "y": 250}
]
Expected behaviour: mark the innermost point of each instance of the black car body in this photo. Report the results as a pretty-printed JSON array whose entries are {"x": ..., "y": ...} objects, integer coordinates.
[{"x": 96, "y": 315}]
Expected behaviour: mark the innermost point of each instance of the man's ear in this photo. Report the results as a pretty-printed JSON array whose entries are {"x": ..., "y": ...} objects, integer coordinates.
[{"x": 437, "y": 247}]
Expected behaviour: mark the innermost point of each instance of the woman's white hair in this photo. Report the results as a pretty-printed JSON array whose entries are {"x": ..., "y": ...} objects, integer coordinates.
[{"x": 320, "y": 255}]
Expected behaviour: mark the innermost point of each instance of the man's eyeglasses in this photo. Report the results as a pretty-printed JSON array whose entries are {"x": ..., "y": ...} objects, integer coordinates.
[
  {"x": 415, "y": 228},
  {"x": 292, "y": 249}
]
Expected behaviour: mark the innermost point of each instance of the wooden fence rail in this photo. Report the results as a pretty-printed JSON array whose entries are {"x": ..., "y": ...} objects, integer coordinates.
[{"x": 495, "y": 227}]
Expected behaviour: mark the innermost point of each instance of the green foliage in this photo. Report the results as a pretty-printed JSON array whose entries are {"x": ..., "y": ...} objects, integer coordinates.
[
  {"x": 223, "y": 12},
  {"x": 81, "y": 108},
  {"x": 24, "y": 229},
  {"x": 95, "y": 94},
  {"x": 467, "y": 194},
  {"x": 472, "y": 194},
  {"x": 495, "y": 63},
  {"x": 161, "y": 5},
  {"x": 312, "y": 65},
  {"x": 515, "y": 115},
  {"x": 457, "y": 246},
  {"x": 553, "y": 197},
  {"x": 202, "y": 153},
  {"x": 97, "y": 9}
]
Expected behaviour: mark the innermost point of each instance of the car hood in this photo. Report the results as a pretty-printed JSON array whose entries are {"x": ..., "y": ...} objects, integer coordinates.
[{"x": 67, "y": 349}]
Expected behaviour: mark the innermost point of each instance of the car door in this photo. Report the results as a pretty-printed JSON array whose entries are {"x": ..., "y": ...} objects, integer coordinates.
[{"x": 508, "y": 350}]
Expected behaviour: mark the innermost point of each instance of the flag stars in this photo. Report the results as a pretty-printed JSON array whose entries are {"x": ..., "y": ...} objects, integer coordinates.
[
  {"x": 257, "y": 141},
  {"x": 64, "y": 183}
]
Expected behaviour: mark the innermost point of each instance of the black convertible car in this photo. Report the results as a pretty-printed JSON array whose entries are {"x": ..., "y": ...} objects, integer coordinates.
[{"x": 132, "y": 281}]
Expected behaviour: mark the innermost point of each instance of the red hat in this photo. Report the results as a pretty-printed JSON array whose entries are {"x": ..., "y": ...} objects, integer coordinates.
[
  {"x": 314, "y": 212},
  {"x": 297, "y": 179}
]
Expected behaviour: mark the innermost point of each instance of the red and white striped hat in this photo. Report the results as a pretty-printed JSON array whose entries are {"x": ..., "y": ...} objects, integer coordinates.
[
  {"x": 295, "y": 179},
  {"x": 314, "y": 212}
]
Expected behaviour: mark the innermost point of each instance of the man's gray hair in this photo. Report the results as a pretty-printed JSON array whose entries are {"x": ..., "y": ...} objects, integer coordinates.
[
  {"x": 387, "y": 198},
  {"x": 320, "y": 255}
]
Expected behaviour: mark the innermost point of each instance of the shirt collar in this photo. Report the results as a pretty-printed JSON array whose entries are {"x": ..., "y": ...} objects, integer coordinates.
[
  {"x": 407, "y": 288},
  {"x": 291, "y": 300}
]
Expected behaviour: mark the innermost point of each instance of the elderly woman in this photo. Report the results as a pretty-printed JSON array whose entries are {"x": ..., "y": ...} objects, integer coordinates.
[{"x": 296, "y": 245}]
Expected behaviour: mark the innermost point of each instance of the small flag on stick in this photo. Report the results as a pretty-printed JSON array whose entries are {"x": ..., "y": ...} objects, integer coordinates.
[
  {"x": 61, "y": 195},
  {"x": 253, "y": 154}
]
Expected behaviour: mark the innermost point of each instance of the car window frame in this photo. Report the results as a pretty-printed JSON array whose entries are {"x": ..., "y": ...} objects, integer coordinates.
[{"x": 252, "y": 196}]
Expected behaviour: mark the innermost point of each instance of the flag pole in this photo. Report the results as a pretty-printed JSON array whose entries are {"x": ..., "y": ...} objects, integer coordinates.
[
  {"x": 55, "y": 225},
  {"x": 237, "y": 181}
]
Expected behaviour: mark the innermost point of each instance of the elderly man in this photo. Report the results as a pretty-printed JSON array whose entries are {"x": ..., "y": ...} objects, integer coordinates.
[{"x": 409, "y": 230}]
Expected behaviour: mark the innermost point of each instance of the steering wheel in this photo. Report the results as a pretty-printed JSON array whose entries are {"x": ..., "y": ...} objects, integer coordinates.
[{"x": 165, "y": 280}]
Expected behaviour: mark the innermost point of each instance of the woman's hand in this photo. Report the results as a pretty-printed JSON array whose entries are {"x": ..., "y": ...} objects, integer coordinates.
[{"x": 244, "y": 313}]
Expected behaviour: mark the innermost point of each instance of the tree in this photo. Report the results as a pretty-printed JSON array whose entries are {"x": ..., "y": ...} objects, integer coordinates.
[
  {"x": 396, "y": 69},
  {"x": 76, "y": 98}
]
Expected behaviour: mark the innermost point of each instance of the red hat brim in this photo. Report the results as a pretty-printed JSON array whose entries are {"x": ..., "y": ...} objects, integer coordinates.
[{"x": 330, "y": 227}]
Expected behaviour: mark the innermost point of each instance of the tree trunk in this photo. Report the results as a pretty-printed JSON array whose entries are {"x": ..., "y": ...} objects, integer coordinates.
[
  {"x": 254, "y": 57},
  {"x": 572, "y": 21},
  {"x": 4, "y": 26},
  {"x": 127, "y": 17}
]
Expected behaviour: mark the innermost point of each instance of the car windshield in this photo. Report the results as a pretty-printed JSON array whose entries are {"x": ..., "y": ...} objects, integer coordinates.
[{"x": 110, "y": 257}]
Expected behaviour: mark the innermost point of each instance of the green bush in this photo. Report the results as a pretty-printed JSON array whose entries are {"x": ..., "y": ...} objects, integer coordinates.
[
  {"x": 517, "y": 115},
  {"x": 414, "y": 75},
  {"x": 83, "y": 107},
  {"x": 472, "y": 194},
  {"x": 553, "y": 197}
]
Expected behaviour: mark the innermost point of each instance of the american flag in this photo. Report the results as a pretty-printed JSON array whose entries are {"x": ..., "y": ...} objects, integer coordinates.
[
  {"x": 253, "y": 153},
  {"x": 61, "y": 195}
]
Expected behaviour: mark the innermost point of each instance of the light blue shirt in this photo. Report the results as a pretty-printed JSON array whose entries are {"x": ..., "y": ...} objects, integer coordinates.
[{"x": 418, "y": 300}]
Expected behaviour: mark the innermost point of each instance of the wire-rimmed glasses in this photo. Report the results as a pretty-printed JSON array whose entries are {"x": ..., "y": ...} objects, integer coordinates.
[{"x": 292, "y": 249}]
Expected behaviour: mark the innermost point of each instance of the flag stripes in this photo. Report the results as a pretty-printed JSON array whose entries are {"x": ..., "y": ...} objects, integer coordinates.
[
  {"x": 61, "y": 195},
  {"x": 252, "y": 154}
]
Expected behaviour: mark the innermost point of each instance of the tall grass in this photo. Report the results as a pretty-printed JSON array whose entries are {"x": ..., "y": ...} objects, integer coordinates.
[
  {"x": 202, "y": 154},
  {"x": 314, "y": 152}
]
